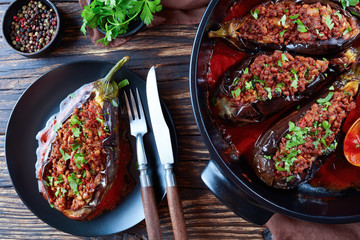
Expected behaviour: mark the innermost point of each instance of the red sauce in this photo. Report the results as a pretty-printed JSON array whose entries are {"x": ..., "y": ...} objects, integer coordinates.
[
  {"x": 336, "y": 174},
  {"x": 123, "y": 183}
]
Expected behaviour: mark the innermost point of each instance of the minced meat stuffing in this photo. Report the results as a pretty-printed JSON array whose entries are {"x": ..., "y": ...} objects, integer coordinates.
[
  {"x": 289, "y": 22},
  {"x": 275, "y": 75},
  {"x": 77, "y": 158},
  {"x": 313, "y": 135}
]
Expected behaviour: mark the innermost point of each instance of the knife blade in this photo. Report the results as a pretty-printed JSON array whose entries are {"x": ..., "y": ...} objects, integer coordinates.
[{"x": 164, "y": 148}]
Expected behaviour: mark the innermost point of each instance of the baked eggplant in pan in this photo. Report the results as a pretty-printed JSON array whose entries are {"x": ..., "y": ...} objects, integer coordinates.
[
  {"x": 306, "y": 27},
  {"x": 78, "y": 153},
  {"x": 266, "y": 83},
  {"x": 290, "y": 152}
]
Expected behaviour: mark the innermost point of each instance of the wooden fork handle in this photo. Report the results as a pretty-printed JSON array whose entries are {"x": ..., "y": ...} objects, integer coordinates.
[
  {"x": 151, "y": 213},
  {"x": 176, "y": 213}
]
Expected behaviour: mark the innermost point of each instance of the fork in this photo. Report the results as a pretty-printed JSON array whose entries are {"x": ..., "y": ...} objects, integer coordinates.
[{"x": 138, "y": 129}]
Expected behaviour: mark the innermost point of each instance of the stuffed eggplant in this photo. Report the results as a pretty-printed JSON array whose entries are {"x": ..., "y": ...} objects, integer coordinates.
[
  {"x": 305, "y": 27},
  {"x": 269, "y": 82},
  {"x": 78, "y": 153},
  {"x": 293, "y": 150}
]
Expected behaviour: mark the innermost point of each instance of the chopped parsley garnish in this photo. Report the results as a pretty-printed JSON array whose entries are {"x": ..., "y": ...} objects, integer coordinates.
[
  {"x": 326, "y": 99},
  {"x": 255, "y": 14},
  {"x": 75, "y": 146},
  {"x": 100, "y": 120},
  {"x": 57, "y": 126},
  {"x": 59, "y": 179},
  {"x": 329, "y": 22},
  {"x": 284, "y": 58},
  {"x": 114, "y": 103},
  {"x": 79, "y": 159},
  {"x": 318, "y": 33},
  {"x": 75, "y": 120},
  {"x": 282, "y": 33},
  {"x": 269, "y": 92},
  {"x": 301, "y": 27},
  {"x": 347, "y": 31},
  {"x": 268, "y": 157},
  {"x": 248, "y": 85},
  {"x": 65, "y": 155},
  {"x": 282, "y": 20},
  {"x": 76, "y": 132},
  {"x": 246, "y": 70},
  {"x": 123, "y": 83},
  {"x": 294, "y": 83},
  {"x": 294, "y": 17},
  {"x": 348, "y": 3},
  {"x": 50, "y": 178},
  {"x": 288, "y": 178},
  {"x": 236, "y": 93},
  {"x": 74, "y": 182},
  {"x": 337, "y": 13},
  {"x": 279, "y": 63}
]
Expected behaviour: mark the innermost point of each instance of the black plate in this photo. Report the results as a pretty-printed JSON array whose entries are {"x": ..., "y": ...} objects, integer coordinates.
[{"x": 40, "y": 101}]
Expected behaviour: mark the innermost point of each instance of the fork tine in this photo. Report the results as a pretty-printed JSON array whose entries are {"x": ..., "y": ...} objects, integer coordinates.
[
  {"x": 128, "y": 107},
  {"x": 133, "y": 105},
  {"x": 141, "y": 109}
]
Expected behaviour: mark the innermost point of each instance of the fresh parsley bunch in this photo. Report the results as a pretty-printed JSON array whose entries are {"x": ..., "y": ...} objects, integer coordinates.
[{"x": 114, "y": 16}]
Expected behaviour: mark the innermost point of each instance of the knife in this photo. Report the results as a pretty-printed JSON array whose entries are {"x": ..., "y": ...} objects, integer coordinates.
[{"x": 164, "y": 149}]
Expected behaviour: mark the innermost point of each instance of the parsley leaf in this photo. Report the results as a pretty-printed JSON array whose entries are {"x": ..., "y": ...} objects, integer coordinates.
[
  {"x": 74, "y": 182},
  {"x": 347, "y": 31},
  {"x": 65, "y": 155},
  {"x": 235, "y": 93},
  {"x": 255, "y": 14},
  {"x": 347, "y": 3},
  {"x": 123, "y": 83},
  {"x": 282, "y": 33},
  {"x": 57, "y": 126},
  {"x": 282, "y": 20},
  {"x": 329, "y": 22},
  {"x": 301, "y": 27}
]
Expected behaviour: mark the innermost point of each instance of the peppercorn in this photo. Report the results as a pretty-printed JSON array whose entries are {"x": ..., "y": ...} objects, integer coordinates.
[{"x": 35, "y": 20}]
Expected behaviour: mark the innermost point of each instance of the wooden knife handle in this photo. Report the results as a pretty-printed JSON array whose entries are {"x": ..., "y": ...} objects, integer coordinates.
[
  {"x": 151, "y": 213},
  {"x": 176, "y": 213}
]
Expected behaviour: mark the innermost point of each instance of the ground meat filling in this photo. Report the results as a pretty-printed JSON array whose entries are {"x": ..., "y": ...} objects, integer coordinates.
[
  {"x": 313, "y": 135},
  {"x": 288, "y": 22},
  {"x": 275, "y": 75},
  {"x": 77, "y": 158}
]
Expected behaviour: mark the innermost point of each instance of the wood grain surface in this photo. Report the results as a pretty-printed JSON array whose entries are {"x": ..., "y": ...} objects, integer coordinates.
[{"x": 168, "y": 47}]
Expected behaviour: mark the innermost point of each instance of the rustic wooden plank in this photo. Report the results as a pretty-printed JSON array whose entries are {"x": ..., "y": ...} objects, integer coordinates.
[{"x": 206, "y": 216}]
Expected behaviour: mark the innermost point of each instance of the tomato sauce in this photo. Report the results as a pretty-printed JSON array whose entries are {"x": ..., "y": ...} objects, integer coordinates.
[{"x": 336, "y": 174}]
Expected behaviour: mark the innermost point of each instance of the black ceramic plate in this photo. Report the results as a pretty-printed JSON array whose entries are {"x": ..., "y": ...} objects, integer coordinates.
[{"x": 40, "y": 101}]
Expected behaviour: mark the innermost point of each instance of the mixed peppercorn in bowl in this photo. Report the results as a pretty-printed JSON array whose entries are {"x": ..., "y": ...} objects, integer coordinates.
[{"x": 32, "y": 28}]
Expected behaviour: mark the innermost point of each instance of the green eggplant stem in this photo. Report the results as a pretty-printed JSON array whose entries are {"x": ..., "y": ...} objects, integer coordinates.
[{"x": 109, "y": 77}]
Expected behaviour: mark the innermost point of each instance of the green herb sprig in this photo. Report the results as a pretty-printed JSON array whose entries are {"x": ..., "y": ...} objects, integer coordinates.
[{"x": 114, "y": 16}]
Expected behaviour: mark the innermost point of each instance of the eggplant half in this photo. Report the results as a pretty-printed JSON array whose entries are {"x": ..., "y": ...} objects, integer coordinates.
[
  {"x": 306, "y": 27},
  {"x": 290, "y": 152},
  {"x": 78, "y": 153},
  {"x": 267, "y": 83}
]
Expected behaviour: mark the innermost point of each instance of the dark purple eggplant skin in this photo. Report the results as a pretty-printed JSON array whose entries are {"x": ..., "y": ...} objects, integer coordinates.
[
  {"x": 327, "y": 47},
  {"x": 268, "y": 142},
  {"x": 260, "y": 110}
]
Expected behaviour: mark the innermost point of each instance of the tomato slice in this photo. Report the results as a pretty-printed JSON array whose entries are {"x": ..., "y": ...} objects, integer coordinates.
[{"x": 352, "y": 144}]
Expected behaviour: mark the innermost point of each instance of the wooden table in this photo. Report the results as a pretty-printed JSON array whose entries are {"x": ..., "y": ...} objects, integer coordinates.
[{"x": 169, "y": 47}]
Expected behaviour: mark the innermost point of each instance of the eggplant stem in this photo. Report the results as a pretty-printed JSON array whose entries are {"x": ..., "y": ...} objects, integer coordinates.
[{"x": 110, "y": 76}]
